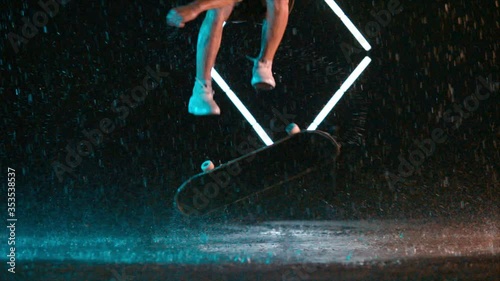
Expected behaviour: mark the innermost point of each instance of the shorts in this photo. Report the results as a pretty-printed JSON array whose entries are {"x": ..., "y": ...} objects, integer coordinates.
[{"x": 252, "y": 10}]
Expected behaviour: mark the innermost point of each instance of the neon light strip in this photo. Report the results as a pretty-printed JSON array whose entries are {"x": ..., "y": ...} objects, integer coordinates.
[
  {"x": 241, "y": 107},
  {"x": 338, "y": 95},
  {"x": 333, "y": 101},
  {"x": 338, "y": 11}
]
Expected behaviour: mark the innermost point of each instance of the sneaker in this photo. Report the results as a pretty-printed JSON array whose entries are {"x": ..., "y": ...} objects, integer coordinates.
[
  {"x": 202, "y": 101},
  {"x": 262, "y": 78}
]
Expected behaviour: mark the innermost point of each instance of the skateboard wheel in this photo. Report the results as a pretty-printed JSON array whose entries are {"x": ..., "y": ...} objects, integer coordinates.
[
  {"x": 292, "y": 129},
  {"x": 207, "y": 166}
]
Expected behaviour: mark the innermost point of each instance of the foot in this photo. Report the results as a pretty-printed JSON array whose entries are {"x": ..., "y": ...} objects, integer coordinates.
[
  {"x": 202, "y": 101},
  {"x": 179, "y": 16},
  {"x": 262, "y": 78}
]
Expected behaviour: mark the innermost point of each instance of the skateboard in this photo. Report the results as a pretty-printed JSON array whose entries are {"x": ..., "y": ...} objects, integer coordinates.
[{"x": 284, "y": 162}]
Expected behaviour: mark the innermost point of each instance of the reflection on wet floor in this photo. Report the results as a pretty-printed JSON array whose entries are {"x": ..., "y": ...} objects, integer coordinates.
[{"x": 278, "y": 243}]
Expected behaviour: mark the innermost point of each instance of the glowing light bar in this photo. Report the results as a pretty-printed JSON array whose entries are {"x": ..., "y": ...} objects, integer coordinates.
[
  {"x": 241, "y": 107},
  {"x": 338, "y": 11},
  {"x": 338, "y": 95}
]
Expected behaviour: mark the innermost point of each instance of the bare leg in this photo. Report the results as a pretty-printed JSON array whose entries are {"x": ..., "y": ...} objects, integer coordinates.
[
  {"x": 181, "y": 15},
  {"x": 273, "y": 28},
  {"x": 272, "y": 32},
  {"x": 209, "y": 39}
]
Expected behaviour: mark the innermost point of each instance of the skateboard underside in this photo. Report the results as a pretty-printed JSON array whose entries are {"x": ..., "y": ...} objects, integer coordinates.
[{"x": 286, "y": 161}]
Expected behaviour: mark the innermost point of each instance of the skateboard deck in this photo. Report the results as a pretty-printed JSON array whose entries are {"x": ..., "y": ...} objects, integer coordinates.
[{"x": 286, "y": 161}]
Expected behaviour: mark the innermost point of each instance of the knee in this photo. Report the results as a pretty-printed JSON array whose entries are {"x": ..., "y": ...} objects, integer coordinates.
[{"x": 278, "y": 5}]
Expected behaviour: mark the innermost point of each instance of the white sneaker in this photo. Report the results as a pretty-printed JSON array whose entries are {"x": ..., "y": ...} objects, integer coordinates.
[
  {"x": 262, "y": 78},
  {"x": 202, "y": 101}
]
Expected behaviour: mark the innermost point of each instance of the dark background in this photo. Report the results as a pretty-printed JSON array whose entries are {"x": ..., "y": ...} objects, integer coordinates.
[{"x": 64, "y": 80}]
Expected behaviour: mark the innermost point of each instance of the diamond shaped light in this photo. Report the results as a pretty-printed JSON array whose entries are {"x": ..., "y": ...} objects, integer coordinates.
[{"x": 331, "y": 103}]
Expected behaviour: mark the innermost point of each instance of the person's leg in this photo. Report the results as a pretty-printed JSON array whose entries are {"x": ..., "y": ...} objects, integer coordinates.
[
  {"x": 179, "y": 16},
  {"x": 273, "y": 30},
  {"x": 209, "y": 40}
]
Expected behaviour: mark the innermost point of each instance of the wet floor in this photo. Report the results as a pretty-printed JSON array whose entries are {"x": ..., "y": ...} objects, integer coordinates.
[{"x": 276, "y": 250}]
